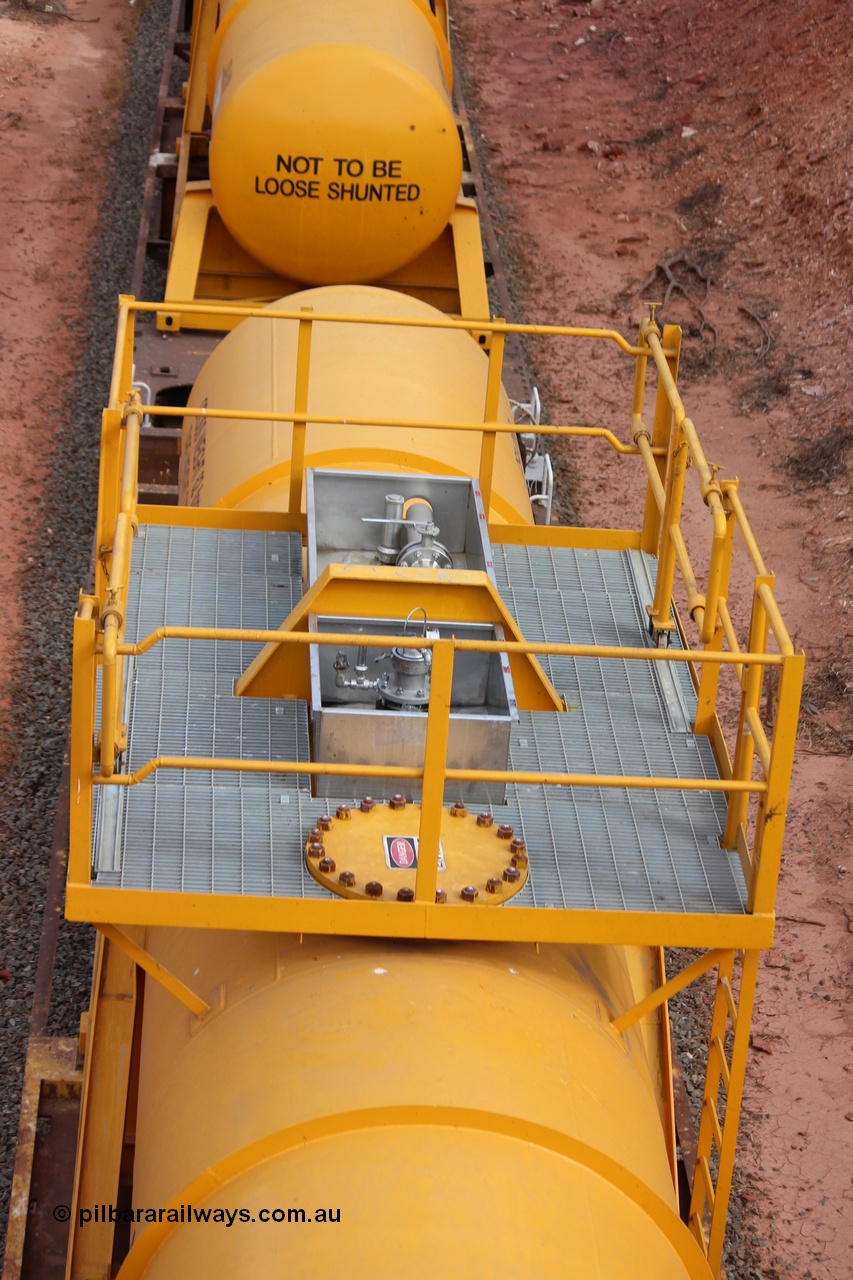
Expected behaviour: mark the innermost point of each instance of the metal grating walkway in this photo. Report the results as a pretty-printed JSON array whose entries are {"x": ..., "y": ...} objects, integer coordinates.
[{"x": 244, "y": 833}]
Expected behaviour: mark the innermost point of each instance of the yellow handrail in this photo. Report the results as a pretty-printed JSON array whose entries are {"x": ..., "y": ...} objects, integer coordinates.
[{"x": 666, "y": 453}]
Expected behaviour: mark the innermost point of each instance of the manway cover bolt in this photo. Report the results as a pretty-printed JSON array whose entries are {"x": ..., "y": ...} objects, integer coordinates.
[
  {"x": 469, "y": 893},
  {"x": 484, "y": 819},
  {"x": 504, "y": 832},
  {"x": 373, "y": 889},
  {"x": 405, "y": 895},
  {"x": 367, "y": 804},
  {"x": 396, "y": 802},
  {"x": 347, "y": 878}
]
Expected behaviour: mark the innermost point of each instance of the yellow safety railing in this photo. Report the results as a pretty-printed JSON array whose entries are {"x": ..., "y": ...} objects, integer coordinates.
[{"x": 666, "y": 449}]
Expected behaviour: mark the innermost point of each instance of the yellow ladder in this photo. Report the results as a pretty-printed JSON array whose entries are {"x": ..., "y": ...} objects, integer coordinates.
[{"x": 721, "y": 1103}]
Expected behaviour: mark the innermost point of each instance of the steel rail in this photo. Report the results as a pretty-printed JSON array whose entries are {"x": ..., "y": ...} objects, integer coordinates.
[
  {"x": 328, "y": 638},
  {"x": 396, "y": 424},
  {"x": 408, "y": 322},
  {"x": 218, "y": 764}
]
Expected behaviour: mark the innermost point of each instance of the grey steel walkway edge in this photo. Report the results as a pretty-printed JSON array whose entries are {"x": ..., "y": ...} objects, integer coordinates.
[{"x": 244, "y": 833}]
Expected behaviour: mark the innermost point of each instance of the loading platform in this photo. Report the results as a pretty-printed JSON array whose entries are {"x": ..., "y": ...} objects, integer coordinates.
[
  {"x": 646, "y": 818},
  {"x": 245, "y": 833}
]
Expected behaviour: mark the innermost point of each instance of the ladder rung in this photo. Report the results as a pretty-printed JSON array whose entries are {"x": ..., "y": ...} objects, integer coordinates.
[
  {"x": 724, "y": 1066},
  {"x": 698, "y": 1231},
  {"x": 710, "y": 1193},
  {"x": 715, "y": 1123},
  {"x": 730, "y": 1001}
]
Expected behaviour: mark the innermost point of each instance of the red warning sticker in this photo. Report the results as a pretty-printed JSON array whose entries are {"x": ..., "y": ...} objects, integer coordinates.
[{"x": 401, "y": 853}]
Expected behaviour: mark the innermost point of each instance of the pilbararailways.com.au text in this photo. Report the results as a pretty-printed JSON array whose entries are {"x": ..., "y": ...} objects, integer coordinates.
[{"x": 188, "y": 1213}]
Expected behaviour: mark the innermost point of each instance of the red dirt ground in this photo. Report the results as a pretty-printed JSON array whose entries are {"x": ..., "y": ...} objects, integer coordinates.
[
  {"x": 618, "y": 135},
  {"x": 58, "y": 81}
]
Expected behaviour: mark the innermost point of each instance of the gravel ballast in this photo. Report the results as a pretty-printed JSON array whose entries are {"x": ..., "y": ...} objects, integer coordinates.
[{"x": 58, "y": 565}]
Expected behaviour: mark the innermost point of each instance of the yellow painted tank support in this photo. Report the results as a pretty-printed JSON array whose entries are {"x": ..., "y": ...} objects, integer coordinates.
[
  {"x": 358, "y": 370},
  {"x": 460, "y": 1106}
]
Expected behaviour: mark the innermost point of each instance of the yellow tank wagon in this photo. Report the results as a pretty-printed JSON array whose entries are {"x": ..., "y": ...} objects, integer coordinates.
[{"x": 386, "y": 800}]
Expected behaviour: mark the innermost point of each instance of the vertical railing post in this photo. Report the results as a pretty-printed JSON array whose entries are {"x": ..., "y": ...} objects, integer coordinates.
[
  {"x": 300, "y": 405},
  {"x": 706, "y": 705},
  {"x": 81, "y": 764},
  {"x": 772, "y": 810},
  {"x": 435, "y": 763},
  {"x": 676, "y": 471},
  {"x": 112, "y": 610},
  {"x": 661, "y": 429},
  {"x": 109, "y": 493},
  {"x": 122, "y": 374},
  {"x": 753, "y": 675},
  {"x": 490, "y": 414},
  {"x": 113, "y": 443}
]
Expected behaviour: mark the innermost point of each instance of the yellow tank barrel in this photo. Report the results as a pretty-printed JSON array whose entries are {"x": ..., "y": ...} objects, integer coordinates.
[
  {"x": 334, "y": 153},
  {"x": 358, "y": 371},
  {"x": 449, "y": 1108}
]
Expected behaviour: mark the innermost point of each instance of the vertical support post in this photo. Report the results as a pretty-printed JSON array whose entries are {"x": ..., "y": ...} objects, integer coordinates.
[
  {"x": 490, "y": 414},
  {"x": 297, "y": 448},
  {"x": 435, "y": 762},
  {"x": 770, "y": 825},
  {"x": 753, "y": 676},
  {"x": 710, "y": 679},
  {"x": 205, "y": 17},
  {"x": 102, "y": 1111},
  {"x": 660, "y": 435}
]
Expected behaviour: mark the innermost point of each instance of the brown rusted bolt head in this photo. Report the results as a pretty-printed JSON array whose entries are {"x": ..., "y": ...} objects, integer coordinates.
[
  {"x": 440, "y": 895},
  {"x": 484, "y": 819},
  {"x": 315, "y": 849},
  {"x": 343, "y": 811},
  {"x": 517, "y": 846},
  {"x": 315, "y": 834},
  {"x": 494, "y": 886},
  {"x": 504, "y": 832},
  {"x": 397, "y": 802},
  {"x": 327, "y": 865},
  {"x": 373, "y": 889},
  {"x": 405, "y": 895},
  {"x": 325, "y": 823},
  {"x": 469, "y": 893},
  {"x": 520, "y": 859},
  {"x": 347, "y": 878},
  {"x": 458, "y": 810},
  {"x": 512, "y": 875},
  {"x": 367, "y": 804}
]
